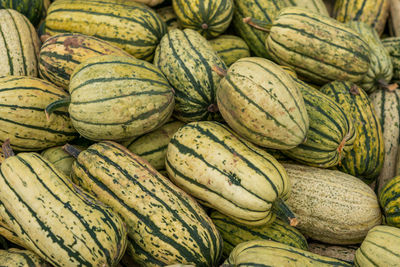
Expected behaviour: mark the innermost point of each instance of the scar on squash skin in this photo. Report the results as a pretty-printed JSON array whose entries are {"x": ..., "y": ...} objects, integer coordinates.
[{"x": 72, "y": 42}]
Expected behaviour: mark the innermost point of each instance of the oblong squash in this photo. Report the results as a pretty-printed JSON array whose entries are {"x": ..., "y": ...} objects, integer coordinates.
[{"x": 389, "y": 199}]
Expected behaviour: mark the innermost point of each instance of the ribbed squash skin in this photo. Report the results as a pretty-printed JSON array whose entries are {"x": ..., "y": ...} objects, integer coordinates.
[
  {"x": 186, "y": 59},
  {"x": 317, "y": 6},
  {"x": 238, "y": 179},
  {"x": 389, "y": 199},
  {"x": 32, "y": 9},
  {"x": 263, "y": 104},
  {"x": 22, "y": 117},
  {"x": 61, "y": 160},
  {"x": 234, "y": 233},
  {"x": 381, "y": 68},
  {"x": 56, "y": 219},
  {"x": 265, "y": 10},
  {"x": 153, "y": 146},
  {"x": 135, "y": 28},
  {"x": 344, "y": 253},
  {"x": 132, "y": 89},
  {"x": 62, "y": 53},
  {"x": 19, "y": 45},
  {"x": 387, "y": 108},
  {"x": 165, "y": 225},
  {"x": 331, "y": 134},
  {"x": 274, "y": 254},
  {"x": 230, "y": 48},
  {"x": 319, "y": 48},
  {"x": 380, "y": 248},
  {"x": 332, "y": 206},
  {"x": 372, "y": 12},
  {"x": 392, "y": 45},
  {"x": 209, "y": 17},
  {"x": 21, "y": 258},
  {"x": 167, "y": 14},
  {"x": 365, "y": 160}
]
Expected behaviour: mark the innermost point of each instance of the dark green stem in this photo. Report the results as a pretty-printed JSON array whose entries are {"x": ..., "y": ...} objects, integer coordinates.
[
  {"x": 73, "y": 151},
  {"x": 283, "y": 212},
  {"x": 55, "y": 105}
]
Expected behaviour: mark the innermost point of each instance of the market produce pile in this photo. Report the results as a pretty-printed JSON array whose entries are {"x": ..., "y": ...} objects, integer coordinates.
[{"x": 200, "y": 133}]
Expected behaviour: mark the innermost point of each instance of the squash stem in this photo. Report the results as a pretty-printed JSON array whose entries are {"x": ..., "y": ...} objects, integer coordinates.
[
  {"x": 258, "y": 24},
  {"x": 7, "y": 150},
  {"x": 220, "y": 71},
  {"x": 73, "y": 151},
  {"x": 55, "y": 105},
  {"x": 213, "y": 108},
  {"x": 283, "y": 212}
]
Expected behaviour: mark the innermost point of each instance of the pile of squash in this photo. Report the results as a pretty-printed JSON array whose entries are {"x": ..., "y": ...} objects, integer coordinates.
[{"x": 200, "y": 133}]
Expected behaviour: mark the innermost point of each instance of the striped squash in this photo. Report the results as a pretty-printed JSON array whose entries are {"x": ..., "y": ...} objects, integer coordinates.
[
  {"x": 132, "y": 89},
  {"x": 235, "y": 233},
  {"x": 387, "y": 108},
  {"x": 167, "y": 14},
  {"x": 392, "y": 45},
  {"x": 237, "y": 179},
  {"x": 22, "y": 118},
  {"x": 21, "y": 258},
  {"x": 261, "y": 102},
  {"x": 165, "y": 225},
  {"x": 274, "y": 254},
  {"x": 56, "y": 219},
  {"x": 372, "y": 12},
  {"x": 153, "y": 146},
  {"x": 380, "y": 248},
  {"x": 61, "y": 160},
  {"x": 62, "y": 53},
  {"x": 331, "y": 206},
  {"x": 389, "y": 199},
  {"x": 186, "y": 58},
  {"x": 365, "y": 160},
  {"x": 319, "y": 48},
  {"x": 7, "y": 232},
  {"x": 316, "y": 6},
  {"x": 135, "y": 28},
  {"x": 230, "y": 48},
  {"x": 380, "y": 71},
  {"x": 331, "y": 134},
  {"x": 209, "y": 17},
  {"x": 344, "y": 253},
  {"x": 19, "y": 45},
  {"x": 265, "y": 10},
  {"x": 32, "y": 9}
]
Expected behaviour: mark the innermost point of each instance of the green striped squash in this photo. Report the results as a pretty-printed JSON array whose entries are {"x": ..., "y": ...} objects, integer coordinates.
[
  {"x": 186, "y": 58},
  {"x": 61, "y": 160},
  {"x": 19, "y": 45},
  {"x": 332, "y": 207},
  {"x": 21, "y": 258},
  {"x": 387, "y": 108},
  {"x": 22, "y": 117},
  {"x": 234, "y": 233},
  {"x": 365, "y": 160},
  {"x": 392, "y": 45},
  {"x": 55, "y": 218},
  {"x": 167, "y": 14},
  {"x": 230, "y": 48},
  {"x": 32, "y": 9},
  {"x": 237, "y": 178},
  {"x": 372, "y": 12},
  {"x": 319, "y": 48},
  {"x": 135, "y": 28},
  {"x": 153, "y": 146},
  {"x": 389, "y": 199},
  {"x": 331, "y": 134},
  {"x": 132, "y": 89},
  {"x": 165, "y": 225},
  {"x": 317, "y": 6},
  {"x": 380, "y": 248},
  {"x": 261, "y": 102},
  {"x": 380, "y": 71},
  {"x": 344, "y": 253},
  {"x": 265, "y": 10},
  {"x": 209, "y": 17},
  {"x": 62, "y": 53},
  {"x": 275, "y": 254}
]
